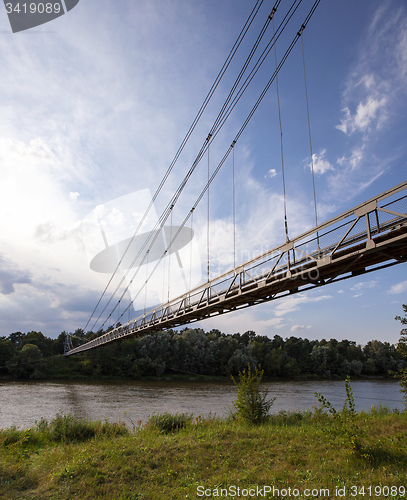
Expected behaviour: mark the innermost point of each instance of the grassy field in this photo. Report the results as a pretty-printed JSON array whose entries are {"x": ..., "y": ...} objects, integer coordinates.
[{"x": 300, "y": 455}]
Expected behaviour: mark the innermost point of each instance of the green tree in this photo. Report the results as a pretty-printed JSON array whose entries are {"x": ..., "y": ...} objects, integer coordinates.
[
  {"x": 16, "y": 338},
  {"x": 58, "y": 344},
  {"x": 44, "y": 344},
  {"x": 226, "y": 348},
  {"x": 261, "y": 347},
  {"x": 384, "y": 355},
  {"x": 241, "y": 358},
  {"x": 402, "y": 343},
  {"x": 276, "y": 360},
  {"x": 7, "y": 351},
  {"x": 28, "y": 363}
]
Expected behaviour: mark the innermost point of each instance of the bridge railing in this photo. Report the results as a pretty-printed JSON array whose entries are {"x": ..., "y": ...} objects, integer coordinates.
[{"x": 358, "y": 229}]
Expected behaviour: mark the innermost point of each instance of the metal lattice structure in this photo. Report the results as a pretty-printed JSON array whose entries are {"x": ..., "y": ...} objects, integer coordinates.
[
  {"x": 368, "y": 237},
  {"x": 67, "y": 343}
]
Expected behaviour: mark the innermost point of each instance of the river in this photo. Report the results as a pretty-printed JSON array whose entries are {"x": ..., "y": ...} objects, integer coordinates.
[{"x": 24, "y": 402}]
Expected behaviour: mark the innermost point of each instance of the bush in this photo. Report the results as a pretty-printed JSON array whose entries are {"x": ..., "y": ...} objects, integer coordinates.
[
  {"x": 403, "y": 386},
  {"x": 168, "y": 422},
  {"x": 251, "y": 403},
  {"x": 346, "y": 420}
]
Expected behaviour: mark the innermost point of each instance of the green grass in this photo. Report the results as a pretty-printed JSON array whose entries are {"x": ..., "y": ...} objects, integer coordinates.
[
  {"x": 297, "y": 450},
  {"x": 168, "y": 422}
]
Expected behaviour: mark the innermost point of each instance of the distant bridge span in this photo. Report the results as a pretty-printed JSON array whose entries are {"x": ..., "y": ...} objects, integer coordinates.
[{"x": 366, "y": 238}]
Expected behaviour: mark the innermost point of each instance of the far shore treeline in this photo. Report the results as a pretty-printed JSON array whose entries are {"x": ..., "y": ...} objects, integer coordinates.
[{"x": 194, "y": 351}]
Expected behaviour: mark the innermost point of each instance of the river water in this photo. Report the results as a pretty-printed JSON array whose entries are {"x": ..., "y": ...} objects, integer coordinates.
[{"x": 24, "y": 402}]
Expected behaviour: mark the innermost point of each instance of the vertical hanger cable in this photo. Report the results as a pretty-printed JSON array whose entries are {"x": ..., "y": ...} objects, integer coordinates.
[
  {"x": 234, "y": 206},
  {"x": 169, "y": 255},
  {"x": 207, "y": 226},
  {"x": 145, "y": 294},
  {"x": 190, "y": 250},
  {"x": 309, "y": 134},
  {"x": 281, "y": 145}
]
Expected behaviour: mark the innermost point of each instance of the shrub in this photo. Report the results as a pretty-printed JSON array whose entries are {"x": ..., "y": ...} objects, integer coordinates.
[
  {"x": 168, "y": 422},
  {"x": 346, "y": 419},
  {"x": 251, "y": 402},
  {"x": 403, "y": 386}
]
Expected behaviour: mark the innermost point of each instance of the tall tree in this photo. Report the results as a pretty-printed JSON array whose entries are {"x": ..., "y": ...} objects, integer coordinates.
[{"x": 402, "y": 344}]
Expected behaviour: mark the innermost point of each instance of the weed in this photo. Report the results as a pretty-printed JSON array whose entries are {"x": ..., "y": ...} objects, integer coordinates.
[
  {"x": 251, "y": 402},
  {"x": 380, "y": 410},
  {"x": 403, "y": 386},
  {"x": 346, "y": 419},
  {"x": 168, "y": 422},
  {"x": 69, "y": 428},
  {"x": 63, "y": 428}
]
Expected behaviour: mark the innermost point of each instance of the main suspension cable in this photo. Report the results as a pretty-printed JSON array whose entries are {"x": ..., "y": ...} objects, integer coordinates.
[
  {"x": 266, "y": 88},
  {"x": 154, "y": 234},
  {"x": 165, "y": 214},
  {"x": 259, "y": 63},
  {"x": 208, "y": 97}
]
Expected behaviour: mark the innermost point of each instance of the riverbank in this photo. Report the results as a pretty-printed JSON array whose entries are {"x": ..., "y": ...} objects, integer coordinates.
[{"x": 211, "y": 457}]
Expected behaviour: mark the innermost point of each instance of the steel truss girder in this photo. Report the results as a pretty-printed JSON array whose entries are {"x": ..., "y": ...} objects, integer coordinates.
[{"x": 348, "y": 255}]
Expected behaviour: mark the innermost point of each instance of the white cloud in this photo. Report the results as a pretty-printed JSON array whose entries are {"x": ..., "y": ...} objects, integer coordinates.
[
  {"x": 320, "y": 163},
  {"x": 373, "y": 102},
  {"x": 11, "y": 275},
  {"x": 241, "y": 321},
  {"x": 290, "y": 304},
  {"x": 364, "y": 285},
  {"x": 356, "y": 173},
  {"x": 353, "y": 161},
  {"x": 295, "y": 328},
  {"x": 341, "y": 291},
  {"x": 66, "y": 307},
  {"x": 398, "y": 288},
  {"x": 271, "y": 173},
  {"x": 373, "y": 109},
  {"x": 74, "y": 196}
]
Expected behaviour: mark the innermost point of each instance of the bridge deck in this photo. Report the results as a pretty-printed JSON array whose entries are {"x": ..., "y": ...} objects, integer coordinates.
[{"x": 368, "y": 237}]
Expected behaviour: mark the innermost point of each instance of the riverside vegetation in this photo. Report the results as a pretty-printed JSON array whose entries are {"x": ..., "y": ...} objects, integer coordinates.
[
  {"x": 194, "y": 351},
  {"x": 172, "y": 456}
]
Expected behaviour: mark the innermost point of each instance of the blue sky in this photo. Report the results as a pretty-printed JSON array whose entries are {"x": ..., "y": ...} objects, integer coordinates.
[{"x": 95, "y": 104}]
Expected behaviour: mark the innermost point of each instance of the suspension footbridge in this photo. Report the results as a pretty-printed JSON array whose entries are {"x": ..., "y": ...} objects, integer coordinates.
[
  {"x": 368, "y": 237},
  {"x": 363, "y": 239}
]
